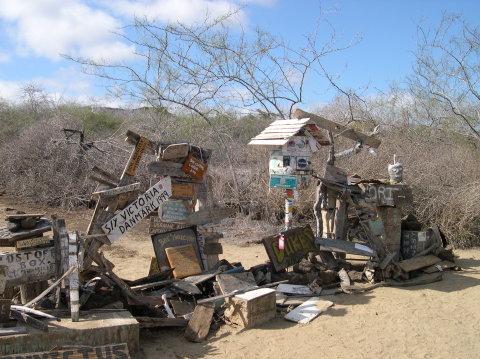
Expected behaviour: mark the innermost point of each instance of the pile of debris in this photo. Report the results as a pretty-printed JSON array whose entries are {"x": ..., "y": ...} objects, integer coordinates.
[{"x": 188, "y": 285}]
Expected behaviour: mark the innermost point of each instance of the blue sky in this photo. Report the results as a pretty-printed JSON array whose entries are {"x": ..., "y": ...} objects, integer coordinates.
[{"x": 35, "y": 32}]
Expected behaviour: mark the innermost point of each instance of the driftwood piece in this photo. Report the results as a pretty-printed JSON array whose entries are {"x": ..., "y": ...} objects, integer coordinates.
[
  {"x": 199, "y": 325},
  {"x": 165, "y": 168},
  {"x": 117, "y": 190}
]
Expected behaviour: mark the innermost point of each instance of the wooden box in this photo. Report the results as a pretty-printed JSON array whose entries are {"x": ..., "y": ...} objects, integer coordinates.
[{"x": 252, "y": 308}]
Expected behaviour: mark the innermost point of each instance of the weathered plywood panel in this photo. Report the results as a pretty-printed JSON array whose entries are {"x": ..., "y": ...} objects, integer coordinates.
[
  {"x": 297, "y": 243},
  {"x": 184, "y": 260},
  {"x": 28, "y": 266},
  {"x": 138, "y": 210}
]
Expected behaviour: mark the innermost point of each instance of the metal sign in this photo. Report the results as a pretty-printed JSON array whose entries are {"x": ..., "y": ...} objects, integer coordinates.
[{"x": 138, "y": 210}]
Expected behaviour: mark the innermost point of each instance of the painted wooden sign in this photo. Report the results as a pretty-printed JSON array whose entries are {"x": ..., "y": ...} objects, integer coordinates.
[
  {"x": 183, "y": 190},
  {"x": 33, "y": 242},
  {"x": 28, "y": 266},
  {"x": 387, "y": 195},
  {"x": 184, "y": 260},
  {"x": 161, "y": 241},
  {"x": 174, "y": 151},
  {"x": 138, "y": 210},
  {"x": 297, "y": 243},
  {"x": 194, "y": 167},
  {"x": 173, "y": 211},
  {"x": 158, "y": 226},
  {"x": 112, "y": 351},
  {"x": 289, "y": 181},
  {"x": 136, "y": 156}
]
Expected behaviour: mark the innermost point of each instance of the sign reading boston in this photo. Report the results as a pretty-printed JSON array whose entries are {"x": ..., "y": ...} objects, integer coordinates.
[{"x": 138, "y": 210}]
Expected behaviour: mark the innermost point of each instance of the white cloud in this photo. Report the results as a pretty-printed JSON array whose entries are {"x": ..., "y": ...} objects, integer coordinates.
[
  {"x": 50, "y": 28},
  {"x": 10, "y": 90},
  {"x": 184, "y": 11}
]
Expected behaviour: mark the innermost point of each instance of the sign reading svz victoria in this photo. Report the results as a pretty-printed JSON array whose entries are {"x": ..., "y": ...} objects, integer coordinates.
[
  {"x": 138, "y": 209},
  {"x": 297, "y": 243}
]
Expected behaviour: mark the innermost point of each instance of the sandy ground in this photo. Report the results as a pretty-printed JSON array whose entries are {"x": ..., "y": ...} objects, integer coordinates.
[{"x": 439, "y": 320}]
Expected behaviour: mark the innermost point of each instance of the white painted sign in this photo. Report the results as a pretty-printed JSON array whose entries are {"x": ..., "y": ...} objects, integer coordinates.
[
  {"x": 138, "y": 210},
  {"x": 29, "y": 266}
]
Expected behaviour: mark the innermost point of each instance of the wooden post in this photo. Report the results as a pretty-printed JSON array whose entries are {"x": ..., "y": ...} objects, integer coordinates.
[{"x": 73, "y": 278}]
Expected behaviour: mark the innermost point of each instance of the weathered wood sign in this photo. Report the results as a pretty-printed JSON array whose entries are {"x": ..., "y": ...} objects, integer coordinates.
[
  {"x": 161, "y": 241},
  {"x": 158, "y": 226},
  {"x": 136, "y": 156},
  {"x": 173, "y": 211},
  {"x": 297, "y": 243},
  {"x": 183, "y": 190},
  {"x": 112, "y": 351},
  {"x": 28, "y": 266},
  {"x": 138, "y": 210},
  {"x": 184, "y": 260},
  {"x": 194, "y": 167},
  {"x": 387, "y": 195},
  {"x": 34, "y": 242}
]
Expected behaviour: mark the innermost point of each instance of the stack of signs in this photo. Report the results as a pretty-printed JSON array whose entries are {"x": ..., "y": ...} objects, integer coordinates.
[
  {"x": 290, "y": 166},
  {"x": 177, "y": 223}
]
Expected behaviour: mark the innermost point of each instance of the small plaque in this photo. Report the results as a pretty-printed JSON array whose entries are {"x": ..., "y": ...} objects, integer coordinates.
[{"x": 194, "y": 167}]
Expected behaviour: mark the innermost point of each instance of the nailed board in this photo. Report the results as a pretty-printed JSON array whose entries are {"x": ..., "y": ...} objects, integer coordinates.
[
  {"x": 184, "y": 260},
  {"x": 136, "y": 156},
  {"x": 138, "y": 210},
  {"x": 208, "y": 215},
  {"x": 28, "y": 266},
  {"x": 298, "y": 242},
  {"x": 194, "y": 167},
  {"x": 158, "y": 226},
  {"x": 183, "y": 190},
  {"x": 118, "y": 351},
  {"x": 199, "y": 325},
  {"x": 173, "y": 211},
  {"x": 386, "y": 194},
  {"x": 173, "y": 239},
  {"x": 309, "y": 310},
  {"x": 33, "y": 242},
  {"x": 235, "y": 281}
]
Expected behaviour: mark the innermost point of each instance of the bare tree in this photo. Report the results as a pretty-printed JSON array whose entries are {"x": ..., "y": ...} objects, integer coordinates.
[{"x": 447, "y": 71}]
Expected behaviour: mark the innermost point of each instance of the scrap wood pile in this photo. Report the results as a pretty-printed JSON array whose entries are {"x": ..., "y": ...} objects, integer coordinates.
[{"x": 188, "y": 285}]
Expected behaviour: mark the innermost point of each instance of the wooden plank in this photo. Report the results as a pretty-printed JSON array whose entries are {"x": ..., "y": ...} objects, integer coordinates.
[
  {"x": 309, "y": 310},
  {"x": 103, "y": 181},
  {"x": 383, "y": 194},
  {"x": 12, "y": 331},
  {"x": 440, "y": 267},
  {"x": 268, "y": 142},
  {"x": 184, "y": 260},
  {"x": 161, "y": 241},
  {"x": 175, "y": 151},
  {"x": 11, "y": 217},
  {"x": 174, "y": 211},
  {"x": 339, "y": 246},
  {"x": 136, "y": 156},
  {"x": 158, "y": 226},
  {"x": 194, "y": 168},
  {"x": 28, "y": 266},
  {"x": 208, "y": 215},
  {"x": 212, "y": 248},
  {"x": 5, "y": 310},
  {"x": 137, "y": 210},
  {"x": 3, "y": 279},
  {"x": 7, "y": 237},
  {"x": 186, "y": 287},
  {"x": 118, "y": 351},
  {"x": 182, "y": 307},
  {"x": 337, "y": 128},
  {"x": 183, "y": 190},
  {"x": 105, "y": 174},
  {"x": 29, "y": 320},
  {"x": 152, "y": 322},
  {"x": 292, "y": 121},
  {"x": 415, "y": 263},
  {"x": 275, "y": 136},
  {"x": 73, "y": 280},
  {"x": 34, "y": 243},
  {"x": 295, "y": 289},
  {"x": 117, "y": 190},
  {"x": 297, "y": 243},
  {"x": 199, "y": 325},
  {"x": 165, "y": 168},
  {"x": 235, "y": 281}
]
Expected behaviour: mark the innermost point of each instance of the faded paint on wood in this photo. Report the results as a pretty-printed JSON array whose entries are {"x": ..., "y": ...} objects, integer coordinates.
[
  {"x": 387, "y": 195},
  {"x": 138, "y": 210},
  {"x": 184, "y": 260},
  {"x": 174, "y": 211},
  {"x": 199, "y": 325},
  {"x": 173, "y": 239},
  {"x": 158, "y": 226},
  {"x": 165, "y": 168},
  {"x": 235, "y": 281},
  {"x": 208, "y": 215},
  {"x": 175, "y": 151},
  {"x": 183, "y": 190},
  {"x": 112, "y": 351},
  {"x": 194, "y": 167},
  {"x": 29, "y": 266},
  {"x": 136, "y": 156},
  {"x": 297, "y": 243},
  {"x": 415, "y": 263},
  {"x": 33, "y": 242},
  {"x": 252, "y": 308},
  {"x": 117, "y": 190}
]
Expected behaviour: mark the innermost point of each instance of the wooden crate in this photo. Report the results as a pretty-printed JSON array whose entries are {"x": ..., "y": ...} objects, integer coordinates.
[{"x": 252, "y": 308}]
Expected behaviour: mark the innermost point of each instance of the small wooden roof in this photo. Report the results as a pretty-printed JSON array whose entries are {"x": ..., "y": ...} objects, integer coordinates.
[{"x": 279, "y": 132}]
